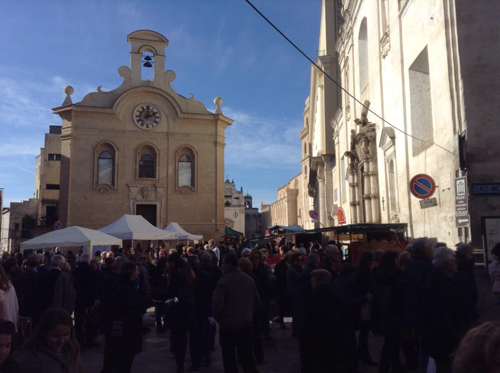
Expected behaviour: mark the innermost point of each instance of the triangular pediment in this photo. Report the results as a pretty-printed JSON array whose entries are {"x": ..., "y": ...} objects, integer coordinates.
[{"x": 387, "y": 138}]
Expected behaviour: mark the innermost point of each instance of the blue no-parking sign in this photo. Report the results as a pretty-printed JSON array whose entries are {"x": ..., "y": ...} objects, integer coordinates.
[
  {"x": 422, "y": 186},
  {"x": 57, "y": 225},
  {"x": 313, "y": 214}
]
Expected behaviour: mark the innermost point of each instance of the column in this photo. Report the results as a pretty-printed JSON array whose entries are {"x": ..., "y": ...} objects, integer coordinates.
[
  {"x": 367, "y": 191},
  {"x": 374, "y": 191}
]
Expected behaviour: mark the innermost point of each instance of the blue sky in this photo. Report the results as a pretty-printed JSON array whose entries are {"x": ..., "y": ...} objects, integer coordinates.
[{"x": 217, "y": 48}]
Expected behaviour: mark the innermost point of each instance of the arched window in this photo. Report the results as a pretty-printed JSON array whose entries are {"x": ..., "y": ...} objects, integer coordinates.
[
  {"x": 147, "y": 159},
  {"x": 186, "y": 171},
  {"x": 106, "y": 168},
  {"x": 363, "y": 55},
  {"x": 105, "y": 173},
  {"x": 147, "y": 167}
]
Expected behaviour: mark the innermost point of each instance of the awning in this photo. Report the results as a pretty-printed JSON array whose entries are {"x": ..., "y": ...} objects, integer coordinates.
[
  {"x": 71, "y": 237},
  {"x": 231, "y": 232},
  {"x": 181, "y": 233},
  {"x": 282, "y": 229},
  {"x": 135, "y": 227}
]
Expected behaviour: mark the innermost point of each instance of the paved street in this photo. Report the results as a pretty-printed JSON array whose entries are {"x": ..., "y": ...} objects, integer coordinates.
[{"x": 280, "y": 356}]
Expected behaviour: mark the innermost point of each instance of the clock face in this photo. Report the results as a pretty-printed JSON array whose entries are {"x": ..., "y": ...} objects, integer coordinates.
[{"x": 147, "y": 116}]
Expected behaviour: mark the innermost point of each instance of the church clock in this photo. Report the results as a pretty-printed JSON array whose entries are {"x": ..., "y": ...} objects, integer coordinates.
[{"x": 147, "y": 116}]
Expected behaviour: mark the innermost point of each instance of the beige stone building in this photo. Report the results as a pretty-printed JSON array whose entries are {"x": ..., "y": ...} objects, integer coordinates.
[
  {"x": 139, "y": 149},
  {"x": 429, "y": 70},
  {"x": 234, "y": 207}
]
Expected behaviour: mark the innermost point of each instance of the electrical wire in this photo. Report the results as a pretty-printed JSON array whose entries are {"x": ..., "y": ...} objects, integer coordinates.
[{"x": 336, "y": 83}]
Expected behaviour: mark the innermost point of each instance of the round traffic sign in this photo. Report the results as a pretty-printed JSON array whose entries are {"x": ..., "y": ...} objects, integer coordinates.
[
  {"x": 57, "y": 225},
  {"x": 313, "y": 214},
  {"x": 422, "y": 186}
]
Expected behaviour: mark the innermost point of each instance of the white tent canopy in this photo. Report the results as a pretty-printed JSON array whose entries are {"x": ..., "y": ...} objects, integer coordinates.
[
  {"x": 181, "y": 233},
  {"x": 70, "y": 237},
  {"x": 135, "y": 227}
]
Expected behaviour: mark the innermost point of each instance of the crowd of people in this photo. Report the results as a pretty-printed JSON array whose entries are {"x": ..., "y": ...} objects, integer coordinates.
[{"x": 422, "y": 301}]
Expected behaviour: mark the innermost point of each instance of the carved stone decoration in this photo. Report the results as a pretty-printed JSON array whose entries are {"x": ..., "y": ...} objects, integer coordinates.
[
  {"x": 186, "y": 190},
  {"x": 385, "y": 44},
  {"x": 132, "y": 191},
  {"x": 146, "y": 192},
  {"x": 104, "y": 188},
  {"x": 348, "y": 112},
  {"x": 160, "y": 189}
]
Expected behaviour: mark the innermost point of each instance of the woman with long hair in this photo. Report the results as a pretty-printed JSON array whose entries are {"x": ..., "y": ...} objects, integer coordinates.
[
  {"x": 7, "y": 363},
  {"x": 181, "y": 305},
  {"x": 51, "y": 347},
  {"x": 9, "y": 308}
]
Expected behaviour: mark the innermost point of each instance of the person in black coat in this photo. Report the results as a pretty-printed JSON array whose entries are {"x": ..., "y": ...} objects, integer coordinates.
[
  {"x": 126, "y": 311},
  {"x": 27, "y": 289},
  {"x": 388, "y": 310},
  {"x": 297, "y": 289},
  {"x": 48, "y": 282},
  {"x": 332, "y": 260},
  {"x": 415, "y": 276},
  {"x": 445, "y": 321},
  {"x": 262, "y": 276},
  {"x": 281, "y": 286},
  {"x": 465, "y": 281},
  {"x": 199, "y": 348},
  {"x": 87, "y": 292},
  {"x": 327, "y": 340},
  {"x": 363, "y": 281},
  {"x": 183, "y": 312}
]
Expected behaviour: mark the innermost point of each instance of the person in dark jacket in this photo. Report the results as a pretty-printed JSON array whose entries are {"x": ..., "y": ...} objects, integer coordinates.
[
  {"x": 388, "y": 308},
  {"x": 466, "y": 282},
  {"x": 27, "y": 289},
  {"x": 281, "y": 286},
  {"x": 261, "y": 275},
  {"x": 415, "y": 277},
  {"x": 159, "y": 292},
  {"x": 126, "y": 311},
  {"x": 48, "y": 283},
  {"x": 445, "y": 321},
  {"x": 328, "y": 340},
  {"x": 363, "y": 281},
  {"x": 182, "y": 312},
  {"x": 199, "y": 348},
  {"x": 87, "y": 292},
  {"x": 332, "y": 260},
  {"x": 297, "y": 289}
]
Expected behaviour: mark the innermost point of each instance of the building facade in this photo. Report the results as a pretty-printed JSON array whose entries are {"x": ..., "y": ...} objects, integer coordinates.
[
  {"x": 419, "y": 66},
  {"x": 253, "y": 222},
  {"x": 139, "y": 149},
  {"x": 234, "y": 207}
]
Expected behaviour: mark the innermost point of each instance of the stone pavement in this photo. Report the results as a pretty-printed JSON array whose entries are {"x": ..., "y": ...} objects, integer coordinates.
[{"x": 281, "y": 355}]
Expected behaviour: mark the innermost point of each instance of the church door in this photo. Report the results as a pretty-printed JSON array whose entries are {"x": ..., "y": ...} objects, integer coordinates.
[{"x": 148, "y": 212}]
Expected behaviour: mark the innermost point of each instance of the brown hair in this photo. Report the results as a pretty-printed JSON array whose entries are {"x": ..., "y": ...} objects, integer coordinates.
[
  {"x": 245, "y": 265},
  {"x": 479, "y": 350}
]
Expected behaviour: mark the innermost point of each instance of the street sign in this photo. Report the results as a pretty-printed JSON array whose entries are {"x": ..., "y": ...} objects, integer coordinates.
[
  {"x": 429, "y": 202},
  {"x": 422, "y": 186},
  {"x": 486, "y": 189},
  {"x": 462, "y": 221},
  {"x": 461, "y": 203},
  {"x": 57, "y": 225},
  {"x": 313, "y": 214},
  {"x": 341, "y": 216}
]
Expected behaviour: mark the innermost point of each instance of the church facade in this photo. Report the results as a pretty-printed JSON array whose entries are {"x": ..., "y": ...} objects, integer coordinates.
[{"x": 142, "y": 149}]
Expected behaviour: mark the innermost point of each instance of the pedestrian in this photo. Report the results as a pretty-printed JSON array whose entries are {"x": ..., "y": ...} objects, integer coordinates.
[
  {"x": 233, "y": 303},
  {"x": 327, "y": 341},
  {"x": 48, "y": 283},
  {"x": 27, "y": 289},
  {"x": 445, "y": 321},
  {"x": 9, "y": 308},
  {"x": 281, "y": 285},
  {"x": 479, "y": 350},
  {"x": 181, "y": 306},
  {"x": 331, "y": 261},
  {"x": 64, "y": 292},
  {"x": 364, "y": 283},
  {"x": 198, "y": 346},
  {"x": 495, "y": 272},
  {"x": 297, "y": 290},
  {"x": 125, "y": 339},
  {"x": 159, "y": 293},
  {"x": 247, "y": 267},
  {"x": 51, "y": 347},
  {"x": 388, "y": 310},
  {"x": 415, "y": 277},
  {"x": 261, "y": 275},
  {"x": 7, "y": 333},
  {"x": 465, "y": 280},
  {"x": 87, "y": 287}
]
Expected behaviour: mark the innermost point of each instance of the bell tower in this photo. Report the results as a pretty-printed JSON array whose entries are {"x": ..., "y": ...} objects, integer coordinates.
[{"x": 147, "y": 41}]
